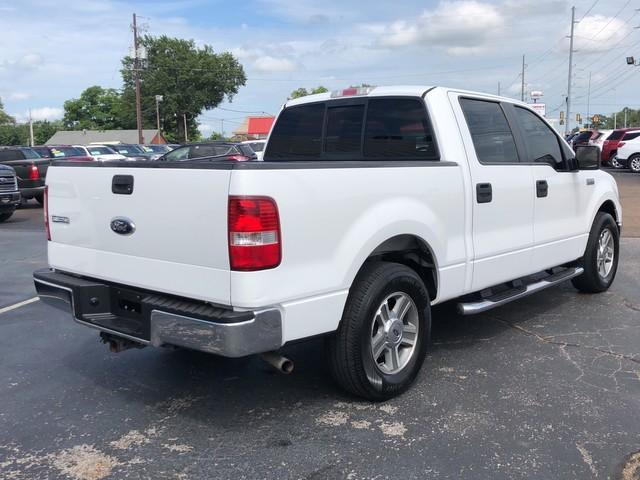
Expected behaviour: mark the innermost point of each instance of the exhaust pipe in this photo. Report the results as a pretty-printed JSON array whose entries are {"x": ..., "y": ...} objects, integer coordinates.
[{"x": 277, "y": 361}]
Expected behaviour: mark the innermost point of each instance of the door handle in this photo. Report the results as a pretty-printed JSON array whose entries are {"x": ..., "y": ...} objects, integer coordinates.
[
  {"x": 484, "y": 193},
  {"x": 122, "y": 184},
  {"x": 542, "y": 188}
]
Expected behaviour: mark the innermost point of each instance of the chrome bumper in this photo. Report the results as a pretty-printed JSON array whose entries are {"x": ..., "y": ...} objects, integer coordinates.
[{"x": 223, "y": 331}]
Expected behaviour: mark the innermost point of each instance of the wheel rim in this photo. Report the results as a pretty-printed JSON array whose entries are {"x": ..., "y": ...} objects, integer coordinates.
[
  {"x": 394, "y": 333},
  {"x": 606, "y": 253},
  {"x": 635, "y": 164},
  {"x": 615, "y": 163}
]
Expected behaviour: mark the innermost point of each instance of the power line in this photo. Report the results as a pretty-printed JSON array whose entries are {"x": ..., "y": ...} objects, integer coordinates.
[{"x": 588, "y": 11}]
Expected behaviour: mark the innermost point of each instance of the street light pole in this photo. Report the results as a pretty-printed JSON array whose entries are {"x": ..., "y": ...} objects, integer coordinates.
[
  {"x": 567, "y": 128},
  {"x": 136, "y": 73},
  {"x": 159, "y": 98}
]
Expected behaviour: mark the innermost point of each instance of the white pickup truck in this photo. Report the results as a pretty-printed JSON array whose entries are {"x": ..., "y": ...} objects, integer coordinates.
[{"x": 371, "y": 205}]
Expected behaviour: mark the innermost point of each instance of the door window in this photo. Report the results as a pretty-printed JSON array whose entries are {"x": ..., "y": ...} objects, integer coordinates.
[
  {"x": 541, "y": 143},
  {"x": 492, "y": 137}
]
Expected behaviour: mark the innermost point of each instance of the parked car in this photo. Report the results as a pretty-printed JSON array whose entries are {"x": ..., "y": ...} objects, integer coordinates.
[
  {"x": 371, "y": 205},
  {"x": 610, "y": 146},
  {"x": 598, "y": 137},
  {"x": 621, "y": 161},
  {"x": 257, "y": 146},
  {"x": 133, "y": 152},
  {"x": 67, "y": 152},
  {"x": 30, "y": 169},
  {"x": 582, "y": 138},
  {"x": 210, "y": 151},
  {"x": 628, "y": 155},
  {"x": 9, "y": 193},
  {"x": 100, "y": 153},
  {"x": 157, "y": 149}
]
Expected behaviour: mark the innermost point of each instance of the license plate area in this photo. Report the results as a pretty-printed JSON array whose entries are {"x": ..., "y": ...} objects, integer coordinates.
[{"x": 114, "y": 308}]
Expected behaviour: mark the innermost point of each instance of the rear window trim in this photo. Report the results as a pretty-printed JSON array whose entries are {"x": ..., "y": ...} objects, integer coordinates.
[{"x": 359, "y": 100}]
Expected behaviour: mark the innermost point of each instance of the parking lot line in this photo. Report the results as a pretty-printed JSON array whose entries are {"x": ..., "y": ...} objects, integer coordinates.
[{"x": 18, "y": 305}]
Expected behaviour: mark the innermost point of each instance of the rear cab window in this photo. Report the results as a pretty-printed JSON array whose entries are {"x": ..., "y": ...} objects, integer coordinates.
[{"x": 360, "y": 128}]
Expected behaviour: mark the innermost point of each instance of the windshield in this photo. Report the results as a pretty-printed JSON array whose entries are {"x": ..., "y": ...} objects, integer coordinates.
[
  {"x": 156, "y": 148},
  {"x": 30, "y": 154},
  {"x": 61, "y": 152},
  {"x": 256, "y": 146},
  {"x": 100, "y": 151},
  {"x": 189, "y": 152}
]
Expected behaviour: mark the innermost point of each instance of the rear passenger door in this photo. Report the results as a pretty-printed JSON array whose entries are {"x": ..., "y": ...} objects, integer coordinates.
[
  {"x": 503, "y": 194},
  {"x": 561, "y": 220}
]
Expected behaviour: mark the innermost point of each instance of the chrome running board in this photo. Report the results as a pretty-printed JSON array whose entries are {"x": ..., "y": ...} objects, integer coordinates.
[{"x": 493, "y": 301}]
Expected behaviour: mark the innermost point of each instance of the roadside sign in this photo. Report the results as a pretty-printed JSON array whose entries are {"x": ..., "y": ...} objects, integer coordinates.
[
  {"x": 539, "y": 108},
  {"x": 595, "y": 119},
  {"x": 562, "y": 116},
  {"x": 578, "y": 118}
]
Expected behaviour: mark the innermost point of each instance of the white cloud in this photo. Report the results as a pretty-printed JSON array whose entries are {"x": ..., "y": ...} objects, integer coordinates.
[
  {"x": 17, "y": 96},
  {"x": 43, "y": 113},
  {"x": 459, "y": 27},
  {"x": 598, "y": 33},
  {"x": 270, "y": 64}
]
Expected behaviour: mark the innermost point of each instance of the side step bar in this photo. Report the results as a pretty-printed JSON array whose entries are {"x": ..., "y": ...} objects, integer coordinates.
[{"x": 471, "y": 308}]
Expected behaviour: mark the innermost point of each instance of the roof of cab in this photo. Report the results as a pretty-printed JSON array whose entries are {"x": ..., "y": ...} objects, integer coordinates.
[{"x": 398, "y": 90}]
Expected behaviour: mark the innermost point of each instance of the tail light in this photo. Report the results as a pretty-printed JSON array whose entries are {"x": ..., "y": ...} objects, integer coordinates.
[
  {"x": 34, "y": 174},
  {"x": 46, "y": 212},
  {"x": 239, "y": 158},
  {"x": 254, "y": 233}
]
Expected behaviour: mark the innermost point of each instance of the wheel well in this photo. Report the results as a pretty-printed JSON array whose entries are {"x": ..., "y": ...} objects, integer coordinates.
[
  {"x": 610, "y": 208},
  {"x": 413, "y": 252}
]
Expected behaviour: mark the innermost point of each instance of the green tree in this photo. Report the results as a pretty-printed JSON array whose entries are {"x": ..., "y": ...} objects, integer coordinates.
[
  {"x": 5, "y": 118},
  {"x": 216, "y": 136},
  {"x": 190, "y": 79},
  {"x": 97, "y": 109},
  {"x": 303, "y": 92}
]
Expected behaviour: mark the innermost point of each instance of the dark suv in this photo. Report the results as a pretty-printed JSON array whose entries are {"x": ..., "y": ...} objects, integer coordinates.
[
  {"x": 9, "y": 194},
  {"x": 30, "y": 169},
  {"x": 210, "y": 151}
]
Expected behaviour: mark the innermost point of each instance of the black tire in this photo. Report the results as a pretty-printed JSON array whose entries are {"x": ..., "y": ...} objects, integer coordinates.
[
  {"x": 634, "y": 163},
  {"x": 349, "y": 350},
  {"x": 591, "y": 281},
  {"x": 615, "y": 163},
  {"x": 5, "y": 216}
]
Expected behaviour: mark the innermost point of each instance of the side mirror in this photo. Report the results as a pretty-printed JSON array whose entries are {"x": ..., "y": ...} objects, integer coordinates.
[{"x": 588, "y": 157}]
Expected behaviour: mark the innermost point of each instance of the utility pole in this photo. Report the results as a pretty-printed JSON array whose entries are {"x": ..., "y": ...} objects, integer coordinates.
[
  {"x": 625, "y": 117},
  {"x": 567, "y": 127},
  {"x": 589, "y": 101},
  {"x": 31, "y": 129},
  {"x": 186, "y": 135},
  {"x": 498, "y": 88},
  {"x": 136, "y": 73},
  {"x": 222, "y": 126},
  {"x": 159, "y": 98},
  {"x": 615, "y": 120},
  {"x": 522, "y": 88}
]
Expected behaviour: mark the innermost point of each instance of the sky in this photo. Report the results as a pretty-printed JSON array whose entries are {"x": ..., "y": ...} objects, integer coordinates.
[{"x": 50, "y": 50}]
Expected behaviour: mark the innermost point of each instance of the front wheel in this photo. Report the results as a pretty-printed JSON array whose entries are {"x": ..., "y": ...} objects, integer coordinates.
[
  {"x": 382, "y": 339},
  {"x": 615, "y": 163},
  {"x": 634, "y": 163},
  {"x": 600, "y": 260}
]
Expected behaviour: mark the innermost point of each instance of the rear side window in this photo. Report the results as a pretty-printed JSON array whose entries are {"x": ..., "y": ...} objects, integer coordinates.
[
  {"x": 631, "y": 135},
  {"x": 541, "y": 143},
  {"x": 398, "y": 128},
  {"x": 616, "y": 135},
  {"x": 297, "y": 133},
  {"x": 492, "y": 137}
]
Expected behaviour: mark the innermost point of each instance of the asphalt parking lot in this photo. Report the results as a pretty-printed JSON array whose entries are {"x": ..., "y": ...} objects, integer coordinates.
[{"x": 545, "y": 388}]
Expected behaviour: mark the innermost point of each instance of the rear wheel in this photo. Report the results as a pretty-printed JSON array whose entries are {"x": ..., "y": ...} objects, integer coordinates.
[
  {"x": 634, "y": 163},
  {"x": 600, "y": 260},
  {"x": 382, "y": 339},
  {"x": 5, "y": 216}
]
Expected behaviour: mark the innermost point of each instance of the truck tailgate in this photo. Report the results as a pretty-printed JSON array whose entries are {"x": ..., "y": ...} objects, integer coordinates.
[{"x": 179, "y": 245}]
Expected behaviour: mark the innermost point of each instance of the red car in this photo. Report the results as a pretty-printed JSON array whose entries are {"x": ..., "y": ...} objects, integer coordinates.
[{"x": 610, "y": 145}]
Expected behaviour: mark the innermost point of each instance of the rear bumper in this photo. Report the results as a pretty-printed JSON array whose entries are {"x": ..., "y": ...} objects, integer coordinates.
[
  {"x": 153, "y": 319},
  {"x": 30, "y": 192}
]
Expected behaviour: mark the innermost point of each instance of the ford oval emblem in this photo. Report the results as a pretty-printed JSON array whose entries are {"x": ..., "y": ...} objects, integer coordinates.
[{"x": 123, "y": 226}]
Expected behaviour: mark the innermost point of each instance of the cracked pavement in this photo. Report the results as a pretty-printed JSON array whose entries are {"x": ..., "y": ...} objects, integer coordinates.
[{"x": 544, "y": 388}]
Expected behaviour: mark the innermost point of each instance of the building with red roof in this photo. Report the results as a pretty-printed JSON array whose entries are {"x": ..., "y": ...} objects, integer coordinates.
[{"x": 254, "y": 128}]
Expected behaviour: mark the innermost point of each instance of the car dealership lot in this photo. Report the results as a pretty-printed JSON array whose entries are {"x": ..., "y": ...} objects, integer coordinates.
[{"x": 546, "y": 387}]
